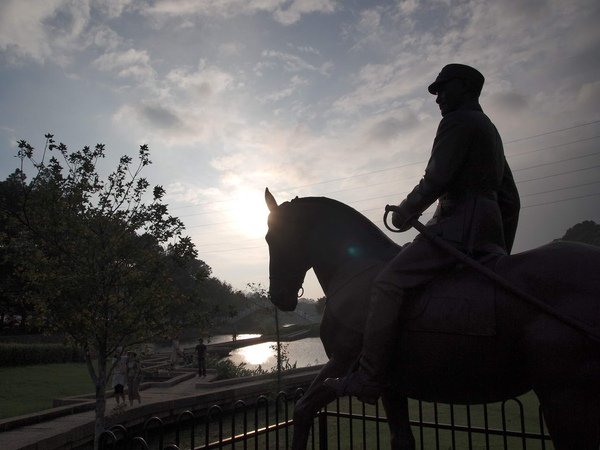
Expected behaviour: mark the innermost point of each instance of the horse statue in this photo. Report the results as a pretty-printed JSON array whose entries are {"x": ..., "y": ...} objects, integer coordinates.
[{"x": 465, "y": 340}]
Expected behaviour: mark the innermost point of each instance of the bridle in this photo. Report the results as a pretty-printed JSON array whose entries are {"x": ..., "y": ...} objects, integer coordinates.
[{"x": 296, "y": 278}]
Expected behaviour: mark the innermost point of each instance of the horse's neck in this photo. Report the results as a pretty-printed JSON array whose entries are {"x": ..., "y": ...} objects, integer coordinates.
[
  {"x": 337, "y": 257},
  {"x": 325, "y": 271},
  {"x": 335, "y": 278},
  {"x": 341, "y": 243}
]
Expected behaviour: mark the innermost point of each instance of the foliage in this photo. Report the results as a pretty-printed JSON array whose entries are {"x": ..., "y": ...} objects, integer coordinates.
[
  {"x": 284, "y": 358},
  {"x": 222, "y": 300},
  {"x": 228, "y": 369},
  {"x": 29, "y": 354},
  {"x": 16, "y": 299},
  {"x": 320, "y": 305},
  {"x": 98, "y": 260},
  {"x": 587, "y": 232}
]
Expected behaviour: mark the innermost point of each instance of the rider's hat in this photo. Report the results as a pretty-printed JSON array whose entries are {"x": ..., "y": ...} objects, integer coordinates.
[{"x": 460, "y": 71}]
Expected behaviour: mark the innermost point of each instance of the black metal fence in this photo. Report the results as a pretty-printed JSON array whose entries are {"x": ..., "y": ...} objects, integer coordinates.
[{"x": 266, "y": 423}]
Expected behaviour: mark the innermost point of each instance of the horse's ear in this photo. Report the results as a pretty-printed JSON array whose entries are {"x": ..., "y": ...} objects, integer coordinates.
[{"x": 270, "y": 200}]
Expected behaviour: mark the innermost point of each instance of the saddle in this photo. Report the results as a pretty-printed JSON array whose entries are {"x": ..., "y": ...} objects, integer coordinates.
[{"x": 462, "y": 301}]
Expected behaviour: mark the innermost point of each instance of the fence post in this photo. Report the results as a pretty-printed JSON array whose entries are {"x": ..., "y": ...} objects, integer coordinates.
[{"x": 322, "y": 430}]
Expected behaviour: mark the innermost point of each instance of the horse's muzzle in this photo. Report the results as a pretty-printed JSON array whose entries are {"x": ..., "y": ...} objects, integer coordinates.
[{"x": 284, "y": 299}]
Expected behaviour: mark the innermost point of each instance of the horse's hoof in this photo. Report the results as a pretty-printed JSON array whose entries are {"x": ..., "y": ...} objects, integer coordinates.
[{"x": 357, "y": 385}]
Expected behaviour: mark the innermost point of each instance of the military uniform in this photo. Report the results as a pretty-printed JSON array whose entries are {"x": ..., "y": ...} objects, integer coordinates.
[
  {"x": 477, "y": 212},
  {"x": 479, "y": 204}
]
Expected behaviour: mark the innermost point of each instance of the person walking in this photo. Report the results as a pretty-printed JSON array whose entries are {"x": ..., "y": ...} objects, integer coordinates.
[
  {"x": 134, "y": 378},
  {"x": 119, "y": 379},
  {"x": 201, "y": 353}
]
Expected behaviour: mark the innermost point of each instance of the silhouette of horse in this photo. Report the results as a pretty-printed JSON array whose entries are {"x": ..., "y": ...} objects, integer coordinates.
[{"x": 524, "y": 349}]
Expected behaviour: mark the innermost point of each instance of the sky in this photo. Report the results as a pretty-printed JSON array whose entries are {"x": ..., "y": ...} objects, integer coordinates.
[{"x": 306, "y": 97}]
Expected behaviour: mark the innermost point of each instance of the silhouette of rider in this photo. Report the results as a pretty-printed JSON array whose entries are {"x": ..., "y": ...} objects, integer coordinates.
[{"x": 477, "y": 212}]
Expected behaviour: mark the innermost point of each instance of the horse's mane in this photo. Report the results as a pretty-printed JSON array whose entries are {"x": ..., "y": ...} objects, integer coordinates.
[{"x": 330, "y": 206}]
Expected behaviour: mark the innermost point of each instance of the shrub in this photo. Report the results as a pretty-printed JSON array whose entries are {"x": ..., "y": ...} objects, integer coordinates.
[
  {"x": 28, "y": 354},
  {"x": 227, "y": 369}
]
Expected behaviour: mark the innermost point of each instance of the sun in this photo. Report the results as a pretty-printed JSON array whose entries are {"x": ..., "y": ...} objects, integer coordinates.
[{"x": 250, "y": 213}]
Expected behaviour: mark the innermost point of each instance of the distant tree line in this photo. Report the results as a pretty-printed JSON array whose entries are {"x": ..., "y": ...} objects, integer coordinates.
[{"x": 586, "y": 232}]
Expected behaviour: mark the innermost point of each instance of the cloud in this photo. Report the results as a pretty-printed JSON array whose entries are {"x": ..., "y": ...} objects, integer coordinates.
[
  {"x": 390, "y": 128},
  {"x": 298, "y": 8},
  {"x": 292, "y": 87},
  {"x": 56, "y": 30},
  {"x": 588, "y": 98},
  {"x": 159, "y": 124},
  {"x": 160, "y": 116},
  {"x": 510, "y": 101},
  {"x": 293, "y": 63},
  {"x": 104, "y": 37},
  {"x": 208, "y": 8},
  {"x": 28, "y": 27},
  {"x": 204, "y": 82},
  {"x": 379, "y": 84},
  {"x": 130, "y": 63},
  {"x": 305, "y": 49},
  {"x": 113, "y": 8},
  {"x": 283, "y": 11},
  {"x": 230, "y": 49},
  {"x": 190, "y": 106},
  {"x": 370, "y": 21},
  {"x": 407, "y": 7}
]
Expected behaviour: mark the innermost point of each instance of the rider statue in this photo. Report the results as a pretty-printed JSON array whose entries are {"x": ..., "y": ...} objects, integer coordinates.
[{"x": 477, "y": 212}]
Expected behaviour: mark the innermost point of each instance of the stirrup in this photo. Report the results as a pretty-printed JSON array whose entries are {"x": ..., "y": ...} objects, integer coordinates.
[{"x": 358, "y": 385}]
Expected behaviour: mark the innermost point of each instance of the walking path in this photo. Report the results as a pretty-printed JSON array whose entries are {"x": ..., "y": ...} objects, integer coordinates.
[{"x": 162, "y": 400}]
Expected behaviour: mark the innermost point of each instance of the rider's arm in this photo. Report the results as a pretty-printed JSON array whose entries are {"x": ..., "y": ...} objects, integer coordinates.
[{"x": 450, "y": 147}]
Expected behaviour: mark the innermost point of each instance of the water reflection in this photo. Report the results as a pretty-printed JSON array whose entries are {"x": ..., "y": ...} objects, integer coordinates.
[
  {"x": 228, "y": 337},
  {"x": 254, "y": 355},
  {"x": 304, "y": 352},
  {"x": 190, "y": 344}
]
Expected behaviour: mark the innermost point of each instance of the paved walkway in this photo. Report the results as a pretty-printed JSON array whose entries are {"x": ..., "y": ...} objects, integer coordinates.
[
  {"x": 69, "y": 430},
  {"x": 42, "y": 435}
]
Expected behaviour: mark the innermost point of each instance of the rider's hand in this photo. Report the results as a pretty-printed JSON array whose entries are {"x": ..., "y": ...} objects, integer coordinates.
[{"x": 402, "y": 216}]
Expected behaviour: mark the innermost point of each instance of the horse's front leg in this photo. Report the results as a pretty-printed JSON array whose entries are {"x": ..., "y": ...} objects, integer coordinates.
[
  {"x": 396, "y": 410},
  {"x": 315, "y": 398}
]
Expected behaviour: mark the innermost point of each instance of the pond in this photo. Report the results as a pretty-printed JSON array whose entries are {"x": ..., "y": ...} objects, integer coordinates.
[
  {"x": 165, "y": 347},
  {"x": 304, "y": 352}
]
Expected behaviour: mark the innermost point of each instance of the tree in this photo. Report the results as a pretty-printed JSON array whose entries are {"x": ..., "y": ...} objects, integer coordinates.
[
  {"x": 105, "y": 261},
  {"x": 16, "y": 301},
  {"x": 320, "y": 305},
  {"x": 190, "y": 277},
  {"x": 587, "y": 232}
]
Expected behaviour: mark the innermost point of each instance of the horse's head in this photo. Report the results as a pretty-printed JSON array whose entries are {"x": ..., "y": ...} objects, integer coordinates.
[{"x": 288, "y": 256}]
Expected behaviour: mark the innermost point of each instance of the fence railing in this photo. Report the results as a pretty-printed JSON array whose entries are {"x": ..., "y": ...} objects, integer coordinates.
[{"x": 266, "y": 423}]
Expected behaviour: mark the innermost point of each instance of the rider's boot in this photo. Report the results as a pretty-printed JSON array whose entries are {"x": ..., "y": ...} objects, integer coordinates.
[{"x": 369, "y": 380}]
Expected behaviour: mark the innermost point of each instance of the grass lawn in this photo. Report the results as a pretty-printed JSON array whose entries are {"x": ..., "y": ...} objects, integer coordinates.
[
  {"x": 33, "y": 388},
  {"x": 344, "y": 433},
  {"x": 353, "y": 433},
  {"x": 28, "y": 389}
]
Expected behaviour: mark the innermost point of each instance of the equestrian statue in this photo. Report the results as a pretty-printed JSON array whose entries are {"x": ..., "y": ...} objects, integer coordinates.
[{"x": 453, "y": 317}]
